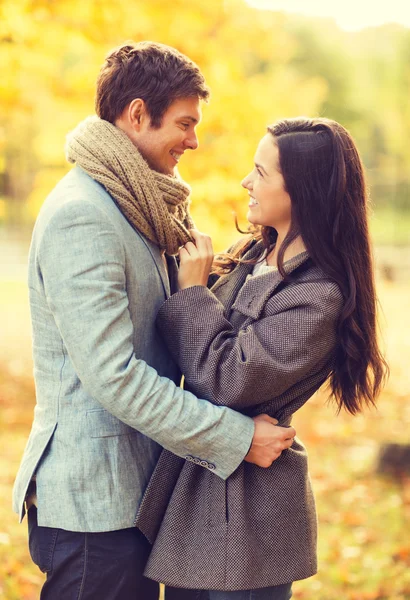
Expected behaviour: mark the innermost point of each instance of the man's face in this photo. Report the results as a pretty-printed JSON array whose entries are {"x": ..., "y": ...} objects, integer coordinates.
[{"x": 162, "y": 148}]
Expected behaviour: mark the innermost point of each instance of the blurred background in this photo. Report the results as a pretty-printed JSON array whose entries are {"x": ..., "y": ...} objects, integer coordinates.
[{"x": 263, "y": 60}]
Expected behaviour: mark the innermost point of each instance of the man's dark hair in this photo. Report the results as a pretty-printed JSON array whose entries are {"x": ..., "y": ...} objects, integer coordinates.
[{"x": 156, "y": 73}]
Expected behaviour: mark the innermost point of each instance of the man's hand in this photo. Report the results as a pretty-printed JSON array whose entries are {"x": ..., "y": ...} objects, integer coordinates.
[{"x": 268, "y": 441}]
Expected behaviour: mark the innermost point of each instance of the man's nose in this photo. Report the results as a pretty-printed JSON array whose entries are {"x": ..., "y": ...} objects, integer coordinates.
[{"x": 191, "y": 141}]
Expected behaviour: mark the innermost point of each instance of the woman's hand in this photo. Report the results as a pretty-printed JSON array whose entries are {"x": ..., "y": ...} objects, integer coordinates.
[{"x": 195, "y": 261}]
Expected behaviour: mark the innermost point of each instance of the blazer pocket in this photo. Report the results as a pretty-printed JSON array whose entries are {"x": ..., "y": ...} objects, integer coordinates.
[{"x": 102, "y": 423}]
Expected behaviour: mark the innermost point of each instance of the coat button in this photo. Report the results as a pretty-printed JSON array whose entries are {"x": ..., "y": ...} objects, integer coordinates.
[
  {"x": 189, "y": 458},
  {"x": 196, "y": 460},
  {"x": 211, "y": 466},
  {"x": 204, "y": 463}
]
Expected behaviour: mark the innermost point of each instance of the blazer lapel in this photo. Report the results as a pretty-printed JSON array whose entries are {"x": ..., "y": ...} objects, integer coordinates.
[{"x": 159, "y": 263}]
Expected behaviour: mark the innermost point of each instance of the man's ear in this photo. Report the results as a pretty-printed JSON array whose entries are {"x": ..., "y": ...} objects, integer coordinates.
[{"x": 137, "y": 114}]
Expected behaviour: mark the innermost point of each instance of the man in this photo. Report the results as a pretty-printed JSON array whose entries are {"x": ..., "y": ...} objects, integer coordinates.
[{"x": 98, "y": 273}]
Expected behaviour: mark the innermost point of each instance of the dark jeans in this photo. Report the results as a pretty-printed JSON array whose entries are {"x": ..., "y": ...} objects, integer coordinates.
[
  {"x": 277, "y": 592},
  {"x": 91, "y": 566}
]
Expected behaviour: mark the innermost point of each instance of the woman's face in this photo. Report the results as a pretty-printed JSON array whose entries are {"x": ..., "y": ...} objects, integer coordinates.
[{"x": 270, "y": 204}]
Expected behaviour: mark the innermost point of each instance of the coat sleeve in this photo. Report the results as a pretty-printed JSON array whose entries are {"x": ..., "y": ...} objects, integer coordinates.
[
  {"x": 258, "y": 363},
  {"x": 82, "y": 263}
]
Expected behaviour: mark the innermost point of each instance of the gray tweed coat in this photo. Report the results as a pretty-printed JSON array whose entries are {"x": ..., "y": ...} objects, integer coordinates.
[{"x": 257, "y": 344}]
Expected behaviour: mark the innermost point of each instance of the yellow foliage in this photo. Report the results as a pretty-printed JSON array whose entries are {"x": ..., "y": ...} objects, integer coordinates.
[
  {"x": 44, "y": 181},
  {"x": 55, "y": 51},
  {"x": 260, "y": 65}
]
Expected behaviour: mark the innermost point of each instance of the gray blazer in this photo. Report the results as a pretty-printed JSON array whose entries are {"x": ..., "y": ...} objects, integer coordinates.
[
  {"x": 95, "y": 288},
  {"x": 259, "y": 345}
]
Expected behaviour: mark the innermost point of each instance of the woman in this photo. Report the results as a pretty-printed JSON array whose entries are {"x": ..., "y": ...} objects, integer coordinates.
[{"x": 295, "y": 307}]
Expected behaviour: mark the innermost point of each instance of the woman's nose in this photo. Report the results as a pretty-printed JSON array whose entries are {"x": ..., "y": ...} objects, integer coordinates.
[{"x": 246, "y": 182}]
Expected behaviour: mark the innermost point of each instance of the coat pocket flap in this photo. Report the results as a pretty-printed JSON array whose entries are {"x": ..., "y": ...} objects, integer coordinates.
[{"x": 102, "y": 423}]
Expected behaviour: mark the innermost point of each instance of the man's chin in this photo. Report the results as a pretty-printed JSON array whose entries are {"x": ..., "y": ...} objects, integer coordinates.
[
  {"x": 164, "y": 170},
  {"x": 171, "y": 172}
]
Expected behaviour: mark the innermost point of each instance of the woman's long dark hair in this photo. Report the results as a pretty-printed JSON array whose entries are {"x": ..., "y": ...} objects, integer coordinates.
[{"x": 324, "y": 177}]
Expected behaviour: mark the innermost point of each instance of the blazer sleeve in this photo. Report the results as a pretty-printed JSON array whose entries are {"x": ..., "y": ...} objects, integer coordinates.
[
  {"x": 261, "y": 361},
  {"x": 82, "y": 263}
]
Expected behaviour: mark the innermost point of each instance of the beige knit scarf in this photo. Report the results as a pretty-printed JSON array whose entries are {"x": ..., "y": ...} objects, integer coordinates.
[{"x": 154, "y": 204}]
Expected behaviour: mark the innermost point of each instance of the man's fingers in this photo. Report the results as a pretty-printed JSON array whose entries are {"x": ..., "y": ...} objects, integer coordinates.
[
  {"x": 264, "y": 417},
  {"x": 291, "y": 432},
  {"x": 269, "y": 441},
  {"x": 287, "y": 432},
  {"x": 267, "y": 462}
]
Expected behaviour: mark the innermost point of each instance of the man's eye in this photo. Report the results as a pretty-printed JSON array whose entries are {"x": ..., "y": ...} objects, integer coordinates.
[{"x": 185, "y": 125}]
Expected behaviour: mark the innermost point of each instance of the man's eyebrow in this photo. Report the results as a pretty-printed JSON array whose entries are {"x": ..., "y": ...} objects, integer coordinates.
[
  {"x": 189, "y": 118},
  {"x": 261, "y": 168}
]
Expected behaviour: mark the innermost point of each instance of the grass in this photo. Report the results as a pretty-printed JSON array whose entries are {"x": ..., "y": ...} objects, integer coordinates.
[{"x": 364, "y": 546}]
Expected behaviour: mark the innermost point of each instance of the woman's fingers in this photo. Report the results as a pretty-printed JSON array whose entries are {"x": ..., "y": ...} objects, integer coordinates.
[
  {"x": 201, "y": 248},
  {"x": 195, "y": 260},
  {"x": 191, "y": 249},
  {"x": 199, "y": 236},
  {"x": 202, "y": 241},
  {"x": 182, "y": 253}
]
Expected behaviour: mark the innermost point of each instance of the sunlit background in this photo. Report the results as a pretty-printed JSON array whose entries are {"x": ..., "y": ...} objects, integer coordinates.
[
  {"x": 350, "y": 15},
  {"x": 263, "y": 60}
]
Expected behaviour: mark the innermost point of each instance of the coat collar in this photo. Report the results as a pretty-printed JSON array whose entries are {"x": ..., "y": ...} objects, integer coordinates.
[{"x": 249, "y": 295}]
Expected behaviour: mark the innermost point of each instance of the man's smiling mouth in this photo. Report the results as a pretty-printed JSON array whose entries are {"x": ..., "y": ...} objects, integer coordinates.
[{"x": 175, "y": 155}]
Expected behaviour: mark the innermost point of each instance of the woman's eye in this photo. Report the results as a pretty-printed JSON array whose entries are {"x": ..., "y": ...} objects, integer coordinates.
[{"x": 259, "y": 172}]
